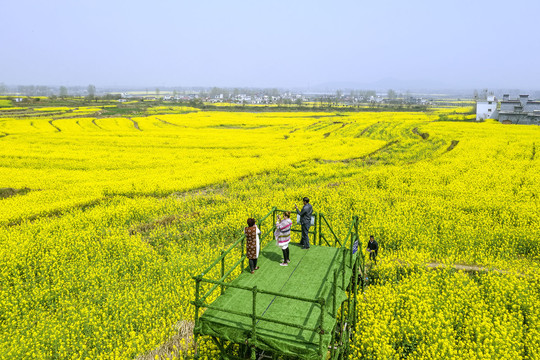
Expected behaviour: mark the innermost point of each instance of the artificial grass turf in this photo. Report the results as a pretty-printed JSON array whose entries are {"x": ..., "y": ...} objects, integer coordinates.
[{"x": 309, "y": 275}]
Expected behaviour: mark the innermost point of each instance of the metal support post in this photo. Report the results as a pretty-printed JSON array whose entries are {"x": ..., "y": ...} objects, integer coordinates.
[
  {"x": 254, "y": 323},
  {"x": 321, "y": 328},
  {"x": 334, "y": 309},
  {"x": 242, "y": 253},
  {"x": 343, "y": 267},
  {"x": 355, "y": 220},
  {"x": 355, "y": 294},
  {"x": 222, "y": 270},
  {"x": 320, "y": 228},
  {"x": 333, "y": 344},
  {"x": 342, "y": 317}
]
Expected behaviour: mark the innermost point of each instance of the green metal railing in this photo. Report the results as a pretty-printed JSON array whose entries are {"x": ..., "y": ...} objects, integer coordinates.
[{"x": 355, "y": 260}]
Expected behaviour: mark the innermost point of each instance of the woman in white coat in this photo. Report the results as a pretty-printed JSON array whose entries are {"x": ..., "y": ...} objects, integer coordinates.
[{"x": 283, "y": 236}]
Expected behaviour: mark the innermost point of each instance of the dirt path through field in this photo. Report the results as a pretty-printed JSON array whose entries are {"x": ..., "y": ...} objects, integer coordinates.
[{"x": 436, "y": 265}]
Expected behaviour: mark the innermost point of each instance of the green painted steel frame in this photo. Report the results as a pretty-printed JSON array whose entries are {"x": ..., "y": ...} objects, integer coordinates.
[{"x": 340, "y": 338}]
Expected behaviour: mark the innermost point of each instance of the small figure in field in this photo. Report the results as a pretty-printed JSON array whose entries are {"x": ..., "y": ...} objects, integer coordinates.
[
  {"x": 372, "y": 249},
  {"x": 283, "y": 235},
  {"x": 305, "y": 221},
  {"x": 252, "y": 244}
]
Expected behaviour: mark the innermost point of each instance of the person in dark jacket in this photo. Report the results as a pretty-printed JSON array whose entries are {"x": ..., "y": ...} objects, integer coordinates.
[
  {"x": 305, "y": 221},
  {"x": 372, "y": 249}
]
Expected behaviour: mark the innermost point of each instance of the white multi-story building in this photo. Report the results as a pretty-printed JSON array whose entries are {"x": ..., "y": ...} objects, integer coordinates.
[{"x": 486, "y": 109}]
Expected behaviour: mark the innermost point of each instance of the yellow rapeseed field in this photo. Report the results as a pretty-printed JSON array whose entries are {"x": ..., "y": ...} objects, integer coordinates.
[{"x": 108, "y": 219}]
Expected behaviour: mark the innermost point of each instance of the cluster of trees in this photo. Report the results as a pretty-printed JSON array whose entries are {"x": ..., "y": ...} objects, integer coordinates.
[
  {"x": 228, "y": 93},
  {"x": 482, "y": 95},
  {"x": 91, "y": 92},
  {"x": 355, "y": 96},
  {"x": 44, "y": 90},
  {"x": 363, "y": 94},
  {"x": 61, "y": 92},
  {"x": 35, "y": 90}
]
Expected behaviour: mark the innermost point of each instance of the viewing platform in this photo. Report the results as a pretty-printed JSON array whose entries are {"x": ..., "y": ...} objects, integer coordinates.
[{"x": 305, "y": 310}]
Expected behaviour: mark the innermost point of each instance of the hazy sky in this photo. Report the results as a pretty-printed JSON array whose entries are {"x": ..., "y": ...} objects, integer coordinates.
[{"x": 460, "y": 44}]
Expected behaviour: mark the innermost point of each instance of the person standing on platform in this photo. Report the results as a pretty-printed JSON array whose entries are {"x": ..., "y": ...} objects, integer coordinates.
[
  {"x": 372, "y": 249},
  {"x": 252, "y": 244},
  {"x": 305, "y": 221},
  {"x": 283, "y": 235}
]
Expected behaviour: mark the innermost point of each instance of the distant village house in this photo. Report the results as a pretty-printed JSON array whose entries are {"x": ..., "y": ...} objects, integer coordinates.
[
  {"x": 519, "y": 111},
  {"x": 510, "y": 111},
  {"x": 486, "y": 109}
]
